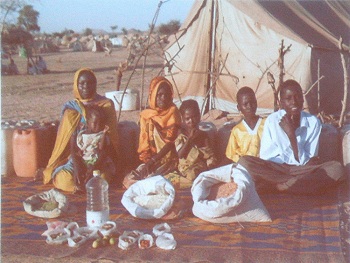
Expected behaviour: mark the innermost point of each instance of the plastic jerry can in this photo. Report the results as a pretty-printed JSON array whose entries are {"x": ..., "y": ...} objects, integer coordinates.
[
  {"x": 210, "y": 129},
  {"x": 223, "y": 137},
  {"x": 329, "y": 143},
  {"x": 25, "y": 152},
  {"x": 6, "y": 152},
  {"x": 129, "y": 140},
  {"x": 46, "y": 138}
]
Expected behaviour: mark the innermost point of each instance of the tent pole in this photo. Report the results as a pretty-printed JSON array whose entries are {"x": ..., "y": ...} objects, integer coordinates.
[
  {"x": 210, "y": 57},
  {"x": 318, "y": 87}
]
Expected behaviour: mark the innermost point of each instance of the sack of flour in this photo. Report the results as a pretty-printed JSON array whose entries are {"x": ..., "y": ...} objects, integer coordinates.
[{"x": 149, "y": 198}]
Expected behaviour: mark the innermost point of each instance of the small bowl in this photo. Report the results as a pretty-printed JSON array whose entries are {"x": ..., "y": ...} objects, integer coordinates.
[
  {"x": 145, "y": 241},
  {"x": 76, "y": 240},
  {"x": 126, "y": 242},
  {"x": 58, "y": 236},
  {"x": 161, "y": 229},
  {"x": 108, "y": 228}
]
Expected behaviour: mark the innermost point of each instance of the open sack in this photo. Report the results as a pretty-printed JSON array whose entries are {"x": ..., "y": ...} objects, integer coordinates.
[
  {"x": 149, "y": 198},
  {"x": 244, "y": 205},
  {"x": 49, "y": 204}
]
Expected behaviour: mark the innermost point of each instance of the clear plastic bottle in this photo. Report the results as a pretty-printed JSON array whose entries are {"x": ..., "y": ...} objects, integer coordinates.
[{"x": 97, "y": 203}]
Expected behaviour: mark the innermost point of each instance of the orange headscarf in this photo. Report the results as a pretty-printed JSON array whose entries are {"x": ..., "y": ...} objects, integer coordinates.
[{"x": 166, "y": 121}]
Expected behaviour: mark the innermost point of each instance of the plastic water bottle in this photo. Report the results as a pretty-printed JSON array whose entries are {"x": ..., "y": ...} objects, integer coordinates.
[{"x": 97, "y": 203}]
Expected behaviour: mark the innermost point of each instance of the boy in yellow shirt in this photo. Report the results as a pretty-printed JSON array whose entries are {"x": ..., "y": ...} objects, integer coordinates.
[{"x": 246, "y": 135}]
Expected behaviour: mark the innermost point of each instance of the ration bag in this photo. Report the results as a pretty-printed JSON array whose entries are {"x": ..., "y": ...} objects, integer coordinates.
[
  {"x": 149, "y": 198},
  {"x": 244, "y": 205},
  {"x": 49, "y": 204}
]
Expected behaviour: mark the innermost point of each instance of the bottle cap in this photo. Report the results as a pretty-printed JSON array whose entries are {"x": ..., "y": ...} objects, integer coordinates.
[{"x": 96, "y": 173}]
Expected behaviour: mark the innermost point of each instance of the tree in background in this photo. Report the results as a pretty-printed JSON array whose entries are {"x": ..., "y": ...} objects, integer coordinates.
[
  {"x": 125, "y": 31},
  {"x": 114, "y": 28},
  {"x": 14, "y": 35},
  {"x": 170, "y": 28},
  {"x": 28, "y": 18},
  {"x": 7, "y": 9}
]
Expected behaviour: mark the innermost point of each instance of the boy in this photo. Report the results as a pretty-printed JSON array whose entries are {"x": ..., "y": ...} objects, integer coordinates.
[
  {"x": 289, "y": 147},
  {"x": 245, "y": 136}
]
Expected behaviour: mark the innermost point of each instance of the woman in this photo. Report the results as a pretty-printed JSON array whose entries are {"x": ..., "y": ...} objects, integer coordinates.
[
  {"x": 159, "y": 126},
  {"x": 60, "y": 167}
]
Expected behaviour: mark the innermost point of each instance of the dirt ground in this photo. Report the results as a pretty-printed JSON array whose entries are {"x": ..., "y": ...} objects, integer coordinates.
[{"x": 41, "y": 97}]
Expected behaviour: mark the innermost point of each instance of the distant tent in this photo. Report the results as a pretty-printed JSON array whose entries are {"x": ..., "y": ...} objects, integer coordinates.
[
  {"x": 90, "y": 44},
  {"x": 97, "y": 47},
  {"x": 44, "y": 46},
  {"x": 76, "y": 46},
  {"x": 116, "y": 41},
  {"x": 65, "y": 40},
  {"x": 125, "y": 41},
  {"x": 226, "y": 44}
]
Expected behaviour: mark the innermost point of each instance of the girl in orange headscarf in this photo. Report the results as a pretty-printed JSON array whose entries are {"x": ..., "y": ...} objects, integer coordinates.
[
  {"x": 60, "y": 167},
  {"x": 159, "y": 126}
]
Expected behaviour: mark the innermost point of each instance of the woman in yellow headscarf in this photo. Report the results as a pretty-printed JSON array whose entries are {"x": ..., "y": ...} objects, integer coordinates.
[
  {"x": 159, "y": 126},
  {"x": 60, "y": 167}
]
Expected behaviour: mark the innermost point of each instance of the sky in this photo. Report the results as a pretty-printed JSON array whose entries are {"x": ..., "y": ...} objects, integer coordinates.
[{"x": 58, "y": 15}]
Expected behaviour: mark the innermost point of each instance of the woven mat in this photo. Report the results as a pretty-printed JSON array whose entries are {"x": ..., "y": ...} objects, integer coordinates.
[{"x": 304, "y": 229}]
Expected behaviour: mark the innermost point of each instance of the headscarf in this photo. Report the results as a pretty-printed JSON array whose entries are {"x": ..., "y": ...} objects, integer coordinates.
[
  {"x": 166, "y": 121},
  {"x": 75, "y": 84}
]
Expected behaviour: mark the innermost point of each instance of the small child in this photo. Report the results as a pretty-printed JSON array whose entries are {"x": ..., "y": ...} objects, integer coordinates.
[
  {"x": 193, "y": 145},
  {"x": 88, "y": 147},
  {"x": 245, "y": 136}
]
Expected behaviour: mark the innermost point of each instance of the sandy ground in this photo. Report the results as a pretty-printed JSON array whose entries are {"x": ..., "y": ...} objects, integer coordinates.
[{"x": 40, "y": 97}]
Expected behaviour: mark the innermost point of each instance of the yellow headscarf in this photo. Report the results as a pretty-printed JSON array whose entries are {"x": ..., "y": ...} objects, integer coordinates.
[
  {"x": 75, "y": 84},
  {"x": 167, "y": 121}
]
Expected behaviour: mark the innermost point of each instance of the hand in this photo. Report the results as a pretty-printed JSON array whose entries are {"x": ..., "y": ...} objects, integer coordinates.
[
  {"x": 314, "y": 161},
  {"x": 106, "y": 129},
  {"x": 287, "y": 125}
]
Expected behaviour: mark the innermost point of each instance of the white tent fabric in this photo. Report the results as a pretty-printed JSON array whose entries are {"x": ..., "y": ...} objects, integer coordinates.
[{"x": 246, "y": 38}]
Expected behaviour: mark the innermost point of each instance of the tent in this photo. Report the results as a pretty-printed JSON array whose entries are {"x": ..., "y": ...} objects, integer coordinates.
[
  {"x": 76, "y": 46},
  {"x": 224, "y": 45}
]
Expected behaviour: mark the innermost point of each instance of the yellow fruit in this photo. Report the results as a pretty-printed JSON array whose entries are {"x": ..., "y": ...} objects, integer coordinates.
[
  {"x": 112, "y": 241},
  {"x": 96, "y": 244}
]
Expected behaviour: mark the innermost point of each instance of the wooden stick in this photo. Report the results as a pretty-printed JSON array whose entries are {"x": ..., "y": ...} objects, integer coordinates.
[{"x": 346, "y": 84}]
